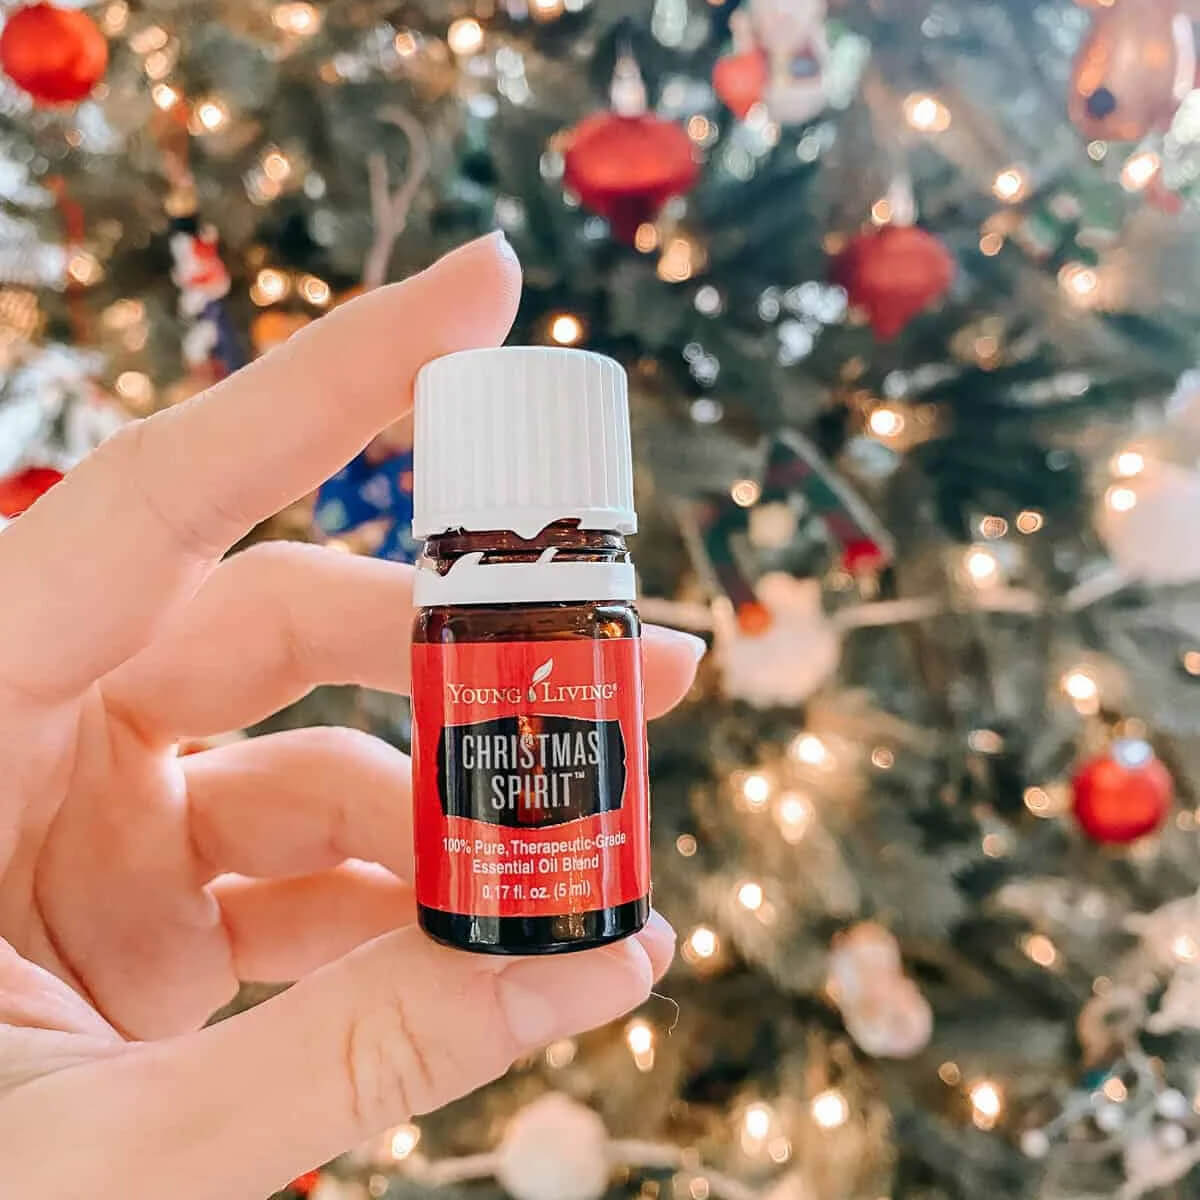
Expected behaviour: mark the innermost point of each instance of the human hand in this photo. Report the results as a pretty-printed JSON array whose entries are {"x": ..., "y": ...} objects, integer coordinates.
[{"x": 137, "y": 887}]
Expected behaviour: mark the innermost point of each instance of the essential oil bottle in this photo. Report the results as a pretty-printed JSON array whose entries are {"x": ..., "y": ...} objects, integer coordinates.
[{"x": 529, "y": 744}]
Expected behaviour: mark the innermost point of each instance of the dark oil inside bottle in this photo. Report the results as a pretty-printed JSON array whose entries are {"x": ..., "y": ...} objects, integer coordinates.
[{"x": 556, "y": 621}]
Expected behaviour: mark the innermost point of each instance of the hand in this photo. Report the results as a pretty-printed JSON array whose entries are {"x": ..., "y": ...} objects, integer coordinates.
[{"x": 137, "y": 887}]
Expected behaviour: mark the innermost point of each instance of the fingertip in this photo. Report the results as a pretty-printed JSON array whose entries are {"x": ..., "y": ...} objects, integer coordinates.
[
  {"x": 657, "y": 938},
  {"x": 672, "y": 659}
]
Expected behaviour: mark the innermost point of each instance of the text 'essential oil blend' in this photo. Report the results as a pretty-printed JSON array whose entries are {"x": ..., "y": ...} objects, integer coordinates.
[{"x": 529, "y": 743}]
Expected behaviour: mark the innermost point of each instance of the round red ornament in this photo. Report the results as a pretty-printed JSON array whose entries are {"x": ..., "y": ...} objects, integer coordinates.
[
  {"x": 740, "y": 80},
  {"x": 304, "y": 1184},
  {"x": 893, "y": 274},
  {"x": 862, "y": 556},
  {"x": 57, "y": 55},
  {"x": 19, "y": 491},
  {"x": 627, "y": 167},
  {"x": 1123, "y": 795}
]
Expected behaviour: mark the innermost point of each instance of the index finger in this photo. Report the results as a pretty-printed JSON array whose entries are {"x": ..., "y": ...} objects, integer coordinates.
[{"x": 96, "y": 566}]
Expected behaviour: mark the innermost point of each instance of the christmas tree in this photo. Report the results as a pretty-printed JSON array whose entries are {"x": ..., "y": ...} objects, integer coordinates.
[{"x": 906, "y": 294}]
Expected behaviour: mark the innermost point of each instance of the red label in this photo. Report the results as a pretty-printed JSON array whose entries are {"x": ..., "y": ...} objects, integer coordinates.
[{"x": 529, "y": 777}]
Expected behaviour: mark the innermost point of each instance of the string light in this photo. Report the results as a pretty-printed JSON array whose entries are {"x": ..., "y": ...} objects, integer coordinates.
[
  {"x": 566, "y": 329},
  {"x": 465, "y": 36},
  {"x": 1185, "y": 948},
  {"x": 158, "y": 64},
  {"x": 403, "y": 1141},
  {"x": 699, "y": 128},
  {"x": 829, "y": 1109},
  {"x": 993, "y": 527},
  {"x": 1097, "y": 151},
  {"x": 745, "y": 492},
  {"x": 756, "y": 791},
  {"x": 881, "y": 211},
  {"x": 276, "y": 165},
  {"x": 1191, "y": 662},
  {"x": 146, "y": 41},
  {"x": 1029, "y": 520},
  {"x": 405, "y": 43},
  {"x": 561, "y": 1053},
  {"x": 883, "y": 758},
  {"x": 990, "y": 244},
  {"x": 679, "y": 260},
  {"x": 164, "y": 96},
  {"x": 1038, "y": 801},
  {"x": 885, "y": 422},
  {"x": 135, "y": 387},
  {"x": 315, "y": 291},
  {"x": 702, "y": 943},
  {"x": 926, "y": 113},
  {"x": 1120, "y": 499},
  {"x": 982, "y": 566},
  {"x": 756, "y": 1123},
  {"x": 1115, "y": 1090},
  {"x": 646, "y": 237},
  {"x": 546, "y": 10},
  {"x": 270, "y": 286},
  {"x": 114, "y": 18},
  {"x": 1010, "y": 185},
  {"x": 793, "y": 814},
  {"x": 987, "y": 1103},
  {"x": 211, "y": 114},
  {"x": 750, "y": 896},
  {"x": 779, "y": 1149},
  {"x": 377, "y": 1186},
  {"x": 809, "y": 749},
  {"x": 300, "y": 19},
  {"x": 950, "y": 1074},
  {"x": 1078, "y": 281},
  {"x": 1081, "y": 686},
  {"x": 1040, "y": 949},
  {"x": 639, "y": 1037},
  {"x": 1139, "y": 170},
  {"x": 1128, "y": 463},
  {"x": 84, "y": 268},
  {"x": 685, "y": 844}
]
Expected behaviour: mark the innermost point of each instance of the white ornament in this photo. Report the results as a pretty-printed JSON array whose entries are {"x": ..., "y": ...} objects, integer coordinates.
[
  {"x": 791, "y": 33},
  {"x": 788, "y": 661},
  {"x": 554, "y": 1149},
  {"x": 884, "y": 1011},
  {"x": 1035, "y": 1143},
  {"x": 1152, "y": 539}
]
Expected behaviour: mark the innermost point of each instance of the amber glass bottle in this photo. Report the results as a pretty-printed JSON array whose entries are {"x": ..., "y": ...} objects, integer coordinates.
[{"x": 529, "y": 756}]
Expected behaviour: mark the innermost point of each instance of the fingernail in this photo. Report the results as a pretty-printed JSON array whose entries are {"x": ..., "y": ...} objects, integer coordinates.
[
  {"x": 496, "y": 240},
  {"x": 697, "y": 646},
  {"x": 548, "y": 998},
  {"x": 658, "y": 940}
]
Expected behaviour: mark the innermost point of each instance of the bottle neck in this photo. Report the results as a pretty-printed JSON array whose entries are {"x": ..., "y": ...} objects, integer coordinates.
[{"x": 562, "y": 563}]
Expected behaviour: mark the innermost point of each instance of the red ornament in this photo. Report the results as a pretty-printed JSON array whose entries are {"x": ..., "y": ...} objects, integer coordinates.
[
  {"x": 19, "y": 491},
  {"x": 754, "y": 618},
  {"x": 57, "y": 55},
  {"x": 1122, "y": 795},
  {"x": 894, "y": 273},
  {"x": 862, "y": 556},
  {"x": 627, "y": 168},
  {"x": 740, "y": 80}
]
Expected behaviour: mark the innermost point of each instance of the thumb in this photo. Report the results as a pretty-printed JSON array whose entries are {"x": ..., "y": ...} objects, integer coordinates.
[{"x": 396, "y": 1028}]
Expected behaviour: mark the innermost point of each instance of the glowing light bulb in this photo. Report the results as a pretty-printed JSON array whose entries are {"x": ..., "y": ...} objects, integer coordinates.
[
  {"x": 276, "y": 165},
  {"x": 546, "y": 10},
  {"x": 757, "y": 1121},
  {"x": 1128, "y": 463},
  {"x": 315, "y": 291},
  {"x": 809, "y": 749},
  {"x": 990, "y": 244},
  {"x": 885, "y": 422},
  {"x": 566, "y": 329},
  {"x": 1115, "y": 1090},
  {"x": 646, "y": 237},
  {"x": 164, "y": 96},
  {"x": 745, "y": 492},
  {"x": 981, "y": 566},
  {"x": 465, "y": 36},
  {"x": 794, "y": 815},
  {"x": 686, "y": 844},
  {"x": 561, "y": 1053},
  {"x": 756, "y": 791},
  {"x": 403, "y": 1141},
  {"x": 679, "y": 260},
  {"x": 1139, "y": 170},
  {"x": 135, "y": 387},
  {"x": 1080, "y": 282},
  {"x": 405, "y": 43},
  {"x": 987, "y": 1103},
  {"x": 750, "y": 896},
  {"x": 639, "y": 1037},
  {"x": 212, "y": 114},
  {"x": 299, "y": 19},
  {"x": 270, "y": 286},
  {"x": 1029, "y": 520},
  {"x": 1080, "y": 686},
  {"x": 1184, "y": 947},
  {"x": 84, "y": 268},
  {"x": 1120, "y": 499},
  {"x": 926, "y": 113},
  {"x": 146, "y": 41},
  {"x": 702, "y": 942},
  {"x": 1040, "y": 949},
  {"x": 1010, "y": 185},
  {"x": 829, "y": 1108}
]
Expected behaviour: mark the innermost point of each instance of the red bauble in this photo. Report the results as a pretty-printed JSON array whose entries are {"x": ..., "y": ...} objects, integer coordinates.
[
  {"x": 57, "y": 55},
  {"x": 19, "y": 491},
  {"x": 304, "y": 1184},
  {"x": 1122, "y": 795},
  {"x": 740, "y": 80},
  {"x": 894, "y": 273},
  {"x": 627, "y": 168},
  {"x": 862, "y": 555}
]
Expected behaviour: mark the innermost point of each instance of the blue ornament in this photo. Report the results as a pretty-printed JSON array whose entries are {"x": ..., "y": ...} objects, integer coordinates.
[{"x": 367, "y": 491}]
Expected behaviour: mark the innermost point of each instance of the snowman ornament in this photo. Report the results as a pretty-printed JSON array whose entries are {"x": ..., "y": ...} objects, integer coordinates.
[{"x": 792, "y": 37}]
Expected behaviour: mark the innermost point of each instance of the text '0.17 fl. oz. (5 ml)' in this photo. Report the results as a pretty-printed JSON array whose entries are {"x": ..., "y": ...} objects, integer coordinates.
[{"x": 529, "y": 745}]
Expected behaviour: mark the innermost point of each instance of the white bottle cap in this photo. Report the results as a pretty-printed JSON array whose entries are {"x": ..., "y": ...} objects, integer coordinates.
[{"x": 520, "y": 437}]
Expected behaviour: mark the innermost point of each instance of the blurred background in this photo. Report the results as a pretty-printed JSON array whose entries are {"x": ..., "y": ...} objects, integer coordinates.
[{"x": 907, "y": 293}]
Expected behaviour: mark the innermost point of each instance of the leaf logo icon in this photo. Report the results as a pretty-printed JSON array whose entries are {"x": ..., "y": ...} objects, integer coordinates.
[{"x": 541, "y": 673}]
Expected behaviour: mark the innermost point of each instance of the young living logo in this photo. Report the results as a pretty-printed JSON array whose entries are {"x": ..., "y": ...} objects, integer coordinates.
[{"x": 539, "y": 691}]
